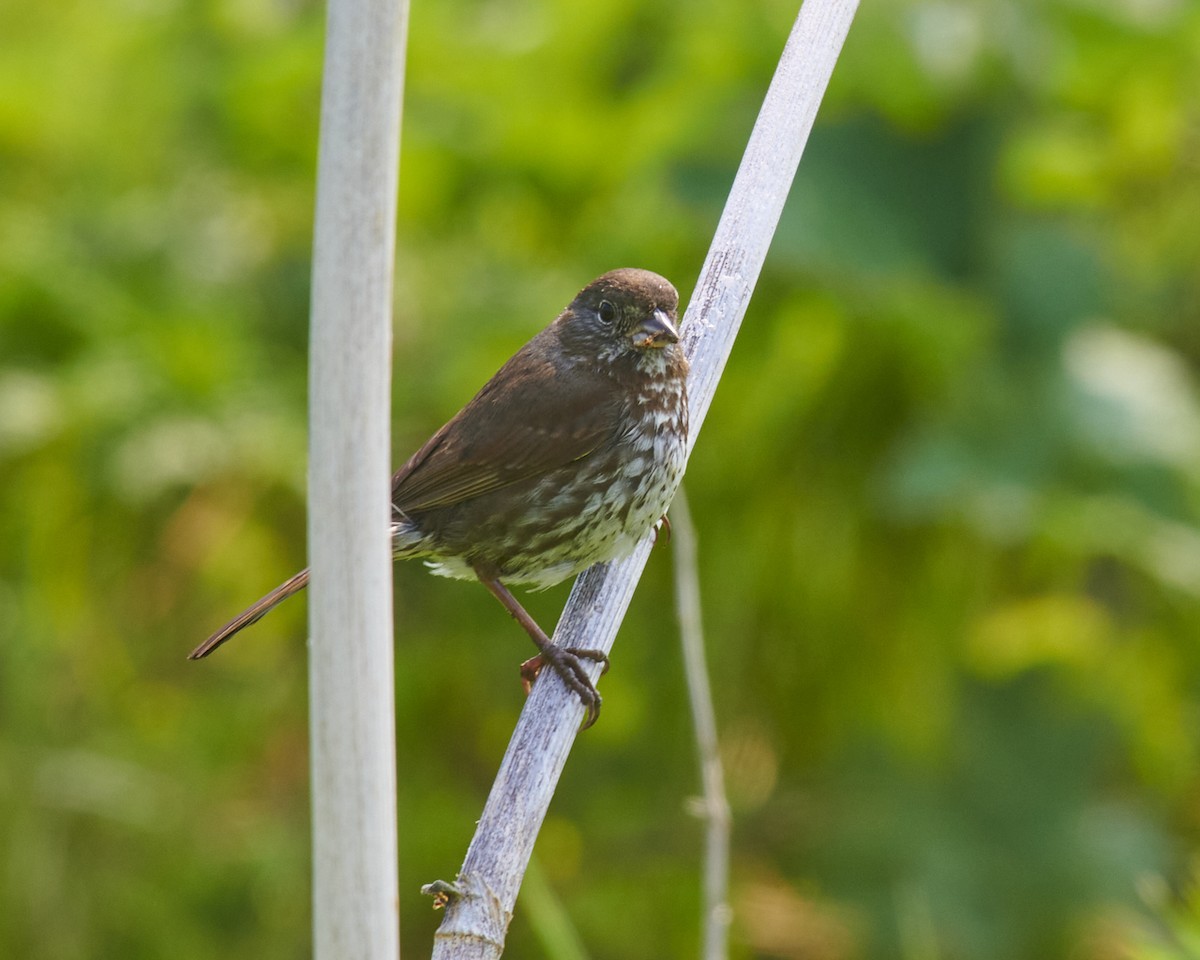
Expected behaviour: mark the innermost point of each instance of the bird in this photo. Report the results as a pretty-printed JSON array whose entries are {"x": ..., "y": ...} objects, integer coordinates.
[{"x": 567, "y": 457}]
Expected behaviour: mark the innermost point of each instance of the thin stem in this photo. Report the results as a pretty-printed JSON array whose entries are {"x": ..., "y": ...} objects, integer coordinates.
[{"x": 713, "y": 806}]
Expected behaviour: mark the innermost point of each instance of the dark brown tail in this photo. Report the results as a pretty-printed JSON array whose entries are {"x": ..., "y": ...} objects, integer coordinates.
[{"x": 252, "y": 614}]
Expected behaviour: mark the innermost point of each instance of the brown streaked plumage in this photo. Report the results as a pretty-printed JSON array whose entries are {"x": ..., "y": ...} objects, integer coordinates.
[{"x": 565, "y": 458}]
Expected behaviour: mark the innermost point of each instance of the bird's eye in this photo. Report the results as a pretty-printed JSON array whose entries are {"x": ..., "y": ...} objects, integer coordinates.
[{"x": 607, "y": 312}]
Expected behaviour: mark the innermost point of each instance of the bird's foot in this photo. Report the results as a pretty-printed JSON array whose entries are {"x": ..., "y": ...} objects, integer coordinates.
[
  {"x": 663, "y": 527},
  {"x": 567, "y": 662}
]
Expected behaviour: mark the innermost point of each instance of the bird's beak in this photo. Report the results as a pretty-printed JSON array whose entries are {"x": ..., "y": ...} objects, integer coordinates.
[{"x": 656, "y": 330}]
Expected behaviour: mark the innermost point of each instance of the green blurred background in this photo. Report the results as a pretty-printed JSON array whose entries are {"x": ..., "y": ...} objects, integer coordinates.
[{"x": 946, "y": 495}]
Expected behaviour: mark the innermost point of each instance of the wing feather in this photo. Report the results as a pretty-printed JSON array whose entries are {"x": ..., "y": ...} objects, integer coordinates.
[{"x": 522, "y": 424}]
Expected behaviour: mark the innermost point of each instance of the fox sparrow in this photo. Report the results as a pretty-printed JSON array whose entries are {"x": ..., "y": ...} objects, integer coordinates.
[{"x": 565, "y": 458}]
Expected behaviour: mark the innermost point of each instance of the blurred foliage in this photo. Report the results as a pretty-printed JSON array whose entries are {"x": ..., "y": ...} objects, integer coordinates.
[{"x": 948, "y": 491}]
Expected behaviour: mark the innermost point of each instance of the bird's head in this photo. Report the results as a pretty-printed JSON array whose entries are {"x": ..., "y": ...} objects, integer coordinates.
[{"x": 626, "y": 314}]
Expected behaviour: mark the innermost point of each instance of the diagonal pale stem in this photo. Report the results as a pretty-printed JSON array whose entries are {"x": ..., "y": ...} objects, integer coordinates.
[{"x": 477, "y": 919}]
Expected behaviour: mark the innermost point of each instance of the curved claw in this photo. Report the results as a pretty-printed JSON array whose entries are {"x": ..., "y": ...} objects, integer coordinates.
[
  {"x": 662, "y": 528},
  {"x": 596, "y": 656},
  {"x": 567, "y": 662}
]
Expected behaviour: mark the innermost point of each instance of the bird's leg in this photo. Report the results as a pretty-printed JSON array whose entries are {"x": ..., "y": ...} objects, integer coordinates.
[{"x": 566, "y": 661}]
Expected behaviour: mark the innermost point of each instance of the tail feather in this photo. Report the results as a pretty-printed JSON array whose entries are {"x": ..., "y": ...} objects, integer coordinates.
[{"x": 252, "y": 614}]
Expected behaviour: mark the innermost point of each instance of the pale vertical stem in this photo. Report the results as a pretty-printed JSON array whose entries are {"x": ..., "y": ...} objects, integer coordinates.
[
  {"x": 477, "y": 917},
  {"x": 713, "y": 807},
  {"x": 352, "y": 707}
]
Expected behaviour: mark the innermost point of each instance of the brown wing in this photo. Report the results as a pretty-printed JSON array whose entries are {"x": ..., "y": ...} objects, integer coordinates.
[{"x": 526, "y": 421}]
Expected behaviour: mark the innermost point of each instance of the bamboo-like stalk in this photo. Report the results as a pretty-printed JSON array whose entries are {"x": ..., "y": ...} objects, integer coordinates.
[
  {"x": 481, "y": 900},
  {"x": 352, "y": 705}
]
